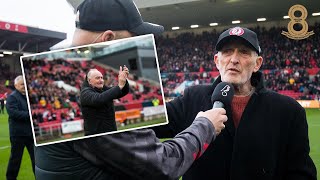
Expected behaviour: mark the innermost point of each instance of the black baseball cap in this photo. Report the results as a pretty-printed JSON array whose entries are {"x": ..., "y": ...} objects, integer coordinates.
[
  {"x": 245, "y": 34},
  {"x": 102, "y": 15}
]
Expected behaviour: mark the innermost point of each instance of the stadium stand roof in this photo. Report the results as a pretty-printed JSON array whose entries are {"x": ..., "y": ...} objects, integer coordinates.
[
  {"x": 184, "y": 13},
  {"x": 21, "y": 38}
]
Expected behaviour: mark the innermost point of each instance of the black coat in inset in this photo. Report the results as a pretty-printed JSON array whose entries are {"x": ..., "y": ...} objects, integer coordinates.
[{"x": 98, "y": 109}]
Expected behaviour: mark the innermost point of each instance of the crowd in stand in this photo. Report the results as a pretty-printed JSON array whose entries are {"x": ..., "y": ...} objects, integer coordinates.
[
  {"x": 186, "y": 57},
  {"x": 189, "y": 52},
  {"x": 46, "y": 96},
  {"x": 50, "y": 102},
  {"x": 4, "y": 70},
  {"x": 295, "y": 79},
  {"x": 171, "y": 80},
  {"x": 6, "y": 77}
]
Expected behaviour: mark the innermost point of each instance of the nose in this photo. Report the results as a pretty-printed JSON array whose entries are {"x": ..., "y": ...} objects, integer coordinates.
[{"x": 235, "y": 57}]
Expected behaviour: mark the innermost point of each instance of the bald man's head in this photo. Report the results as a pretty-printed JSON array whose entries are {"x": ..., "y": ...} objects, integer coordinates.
[
  {"x": 95, "y": 78},
  {"x": 19, "y": 84}
]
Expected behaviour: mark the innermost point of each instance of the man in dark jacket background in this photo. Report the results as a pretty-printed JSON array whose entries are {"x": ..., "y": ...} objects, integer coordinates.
[
  {"x": 97, "y": 101},
  {"x": 266, "y": 135},
  {"x": 19, "y": 127}
]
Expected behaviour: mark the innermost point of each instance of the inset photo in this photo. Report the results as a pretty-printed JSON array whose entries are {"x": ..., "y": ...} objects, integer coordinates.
[{"x": 94, "y": 90}]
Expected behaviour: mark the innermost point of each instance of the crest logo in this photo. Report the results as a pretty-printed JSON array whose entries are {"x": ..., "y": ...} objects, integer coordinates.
[
  {"x": 225, "y": 90},
  {"x": 292, "y": 33},
  {"x": 238, "y": 31}
]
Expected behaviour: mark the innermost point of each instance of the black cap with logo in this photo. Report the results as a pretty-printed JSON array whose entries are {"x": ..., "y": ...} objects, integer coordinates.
[
  {"x": 247, "y": 35},
  {"x": 102, "y": 15}
]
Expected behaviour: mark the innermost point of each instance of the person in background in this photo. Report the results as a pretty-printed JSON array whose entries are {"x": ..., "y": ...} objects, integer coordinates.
[
  {"x": 97, "y": 101},
  {"x": 19, "y": 127}
]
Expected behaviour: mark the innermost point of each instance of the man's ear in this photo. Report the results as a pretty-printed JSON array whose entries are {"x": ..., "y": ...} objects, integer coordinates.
[
  {"x": 216, "y": 60},
  {"x": 259, "y": 61},
  {"x": 108, "y": 36}
]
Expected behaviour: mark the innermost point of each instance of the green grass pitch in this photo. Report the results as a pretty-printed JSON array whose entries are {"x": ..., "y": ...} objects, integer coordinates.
[{"x": 25, "y": 172}]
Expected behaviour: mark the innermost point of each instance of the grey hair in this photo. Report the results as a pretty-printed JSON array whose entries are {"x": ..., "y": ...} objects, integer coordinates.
[
  {"x": 17, "y": 79},
  {"x": 90, "y": 72}
]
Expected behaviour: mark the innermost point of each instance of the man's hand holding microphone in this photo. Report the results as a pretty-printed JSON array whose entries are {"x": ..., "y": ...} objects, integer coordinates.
[{"x": 216, "y": 116}]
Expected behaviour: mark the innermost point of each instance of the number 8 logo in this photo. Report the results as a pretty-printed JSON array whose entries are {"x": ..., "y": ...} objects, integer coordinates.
[{"x": 298, "y": 20}]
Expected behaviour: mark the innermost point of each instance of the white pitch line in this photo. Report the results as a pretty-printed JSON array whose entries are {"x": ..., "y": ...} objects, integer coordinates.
[
  {"x": 4, "y": 147},
  {"x": 314, "y": 124}
]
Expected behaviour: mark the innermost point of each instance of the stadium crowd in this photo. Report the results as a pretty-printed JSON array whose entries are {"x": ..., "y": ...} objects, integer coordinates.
[
  {"x": 6, "y": 85},
  {"x": 186, "y": 57},
  {"x": 189, "y": 56},
  {"x": 50, "y": 101}
]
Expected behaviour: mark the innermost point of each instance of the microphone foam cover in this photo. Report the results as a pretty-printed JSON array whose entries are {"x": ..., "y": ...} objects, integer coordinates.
[{"x": 223, "y": 92}]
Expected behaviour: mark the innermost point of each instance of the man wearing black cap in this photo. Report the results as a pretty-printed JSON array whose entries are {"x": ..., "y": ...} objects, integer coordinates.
[
  {"x": 131, "y": 155},
  {"x": 266, "y": 135},
  {"x": 121, "y": 20}
]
